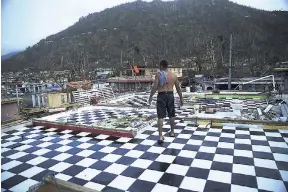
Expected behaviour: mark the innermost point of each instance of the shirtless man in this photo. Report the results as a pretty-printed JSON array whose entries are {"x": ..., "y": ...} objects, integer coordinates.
[{"x": 164, "y": 83}]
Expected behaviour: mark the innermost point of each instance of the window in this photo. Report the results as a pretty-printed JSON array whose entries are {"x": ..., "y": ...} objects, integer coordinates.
[{"x": 62, "y": 99}]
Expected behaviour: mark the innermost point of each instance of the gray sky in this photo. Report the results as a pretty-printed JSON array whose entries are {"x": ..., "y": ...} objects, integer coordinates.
[{"x": 24, "y": 23}]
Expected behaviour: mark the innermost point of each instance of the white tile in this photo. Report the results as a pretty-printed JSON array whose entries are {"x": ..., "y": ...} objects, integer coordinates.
[
  {"x": 32, "y": 136},
  {"x": 165, "y": 158},
  {"x": 83, "y": 134},
  {"x": 84, "y": 145},
  {"x": 223, "y": 158},
  {"x": 148, "y": 142},
  {"x": 184, "y": 136},
  {"x": 64, "y": 142},
  {"x": 87, "y": 162},
  {"x": 141, "y": 163},
  {"x": 239, "y": 188},
  {"x": 32, "y": 171},
  {"x": 280, "y": 157},
  {"x": 207, "y": 149},
  {"x": 160, "y": 187},
  {"x": 243, "y": 153},
  {"x": 272, "y": 134},
  {"x": 102, "y": 136},
  {"x": 203, "y": 133},
  {"x": 211, "y": 138},
  {"x": 227, "y": 135},
  {"x": 226, "y": 145},
  {"x": 128, "y": 146},
  {"x": 10, "y": 165},
  {"x": 270, "y": 184},
  {"x": 6, "y": 175},
  {"x": 62, "y": 156},
  {"x": 107, "y": 149},
  {"x": 24, "y": 186},
  {"x": 3, "y": 150},
  {"x": 94, "y": 186},
  {"x": 45, "y": 144},
  {"x": 60, "y": 167},
  {"x": 284, "y": 175},
  {"x": 22, "y": 148},
  {"x": 187, "y": 154},
  {"x": 13, "y": 138},
  {"x": 258, "y": 138},
  {"x": 84, "y": 139},
  {"x": 220, "y": 176},
  {"x": 115, "y": 168},
  {"x": 134, "y": 153},
  {"x": 151, "y": 175},
  {"x": 242, "y": 132},
  {"x": 111, "y": 158},
  {"x": 17, "y": 155},
  {"x": 123, "y": 139},
  {"x": 154, "y": 149},
  {"x": 177, "y": 169},
  {"x": 63, "y": 148},
  {"x": 244, "y": 169},
  {"x": 47, "y": 138},
  {"x": 122, "y": 182},
  {"x": 41, "y": 152},
  {"x": 37, "y": 160},
  {"x": 278, "y": 144},
  {"x": 243, "y": 141},
  {"x": 265, "y": 163},
  {"x": 88, "y": 174},
  {"x": 7, "y": 144},
  {"x": 201, "y": 163},
  {"x": 261, "y": 148},
  {"x": 66, "y": 136},
  {"x": 142, "y": 136},
  {"x": 193, "y": 184},
  {"x": 85, "y": 153},
  {"x": 194, "y": 142},
  {"x": 176, "y": 146},
  {"x": 63, "y": 177}
]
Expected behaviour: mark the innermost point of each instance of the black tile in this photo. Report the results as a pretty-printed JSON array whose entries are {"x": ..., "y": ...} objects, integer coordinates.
[
  {"x": 54, "y": 146},
  {"x": 140, "y": 147},
  {"x": 159, "y": 166},
  {"x": 282, "y": 165},
  {"x": 263, "y": 155},
  {"x": 227, "y": 140},
  {"x": 73, "y": 170},
  {"x": 51, "y": 154},
  {"x": 47, "y": 164},
  {"x": 104, "y": 178},
  {"x": 244, "y": 180},
  {"x": 74, "y": 151},
  {"x": 15, "y": 145},
  {"x": 125, "y": 160},
  {"x": 275, "y": 139},
  {"x": 210, "y": 143},
  {"x": 78, "y": 181},
  {"x": 39, "y": 177},
  {"x": 213, "y": 134},
  {"x": 216, "y": 186},
  {"x": 73, "y": 159},
  {"x": 224, "y": 151},
  {"x": 189, "y": 132},
  {"x": 98, "y": 155},
  {"x": 191, "y": 147},
  {"x": 149, "y": 156},
  {"x": 133, "y": 172},
  {"x": 279, "y": 150},
  {"x": 203, "y": 155},
  {"x": 180, "y": 140},
  {"x": 120, "y": 151},
  {"x": 268, "y": 173},
  {"x": 183, "y": 161},
  {"x": 170, "y": 151},
  {"x": 171, "y": 179},
  {"x": 198, "y": 173},
  {"x": 12, "y": 181},
  {"x": 240, "y": 136},
  {"x": 243, "y": 147},
  {"x": 35, "y": 143},
  {"x": 100, "y": 165},
  {"x": 32, "y": 149},
  {"x": 26, "y": 158},
  {"x": 198, "y": 137},
  {"x": 8, "y": 153},
  {"x": 256, "y": 142},
  {"x": 5, "y": 160},
  {"x": 257, "y": 133},
  {"x": 74, "y": 143},
  {"x": 111, "y": 189},
  {"x": 11, "y": 132},
  {"x": 141, "y": 186},
  {"x": 96, "y": 147},
  {"x": 243, "y": 160},
  {"x": 226, "y": 167},
  {"x": 20, "y": 168},
  {"x": 228, "y": 131}
]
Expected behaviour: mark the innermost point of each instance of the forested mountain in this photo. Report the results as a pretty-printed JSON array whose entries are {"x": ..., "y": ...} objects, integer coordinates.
[
  {"x": 188, "y": 32},
  {"x": 6, "y": 56}
]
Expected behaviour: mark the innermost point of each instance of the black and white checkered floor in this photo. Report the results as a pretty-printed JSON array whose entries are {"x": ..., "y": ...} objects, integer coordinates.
[{"x": 197, "y": 159}]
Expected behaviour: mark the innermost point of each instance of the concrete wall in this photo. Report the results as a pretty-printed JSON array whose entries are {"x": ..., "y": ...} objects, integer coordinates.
[
  {"x": 153, "y": 71},
  {"x": 57, "y": 99},
  {"x": 8, "y": 111}
]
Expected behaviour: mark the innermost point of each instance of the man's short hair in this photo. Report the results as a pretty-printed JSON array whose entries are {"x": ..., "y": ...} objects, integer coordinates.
[{"x": 164, "y": 64}]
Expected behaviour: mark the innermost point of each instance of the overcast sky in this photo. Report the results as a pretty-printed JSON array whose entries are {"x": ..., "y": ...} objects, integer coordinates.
[{"x": 24, "y": 23}]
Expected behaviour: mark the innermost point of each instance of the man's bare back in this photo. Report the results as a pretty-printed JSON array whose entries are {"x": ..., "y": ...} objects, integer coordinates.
[{"x": 171, "y": 77}]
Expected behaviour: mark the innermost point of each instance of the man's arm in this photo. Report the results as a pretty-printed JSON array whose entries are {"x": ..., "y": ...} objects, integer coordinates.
[
  {"x": 154, "y": 88},
  {"x": 179, "y": 91}
]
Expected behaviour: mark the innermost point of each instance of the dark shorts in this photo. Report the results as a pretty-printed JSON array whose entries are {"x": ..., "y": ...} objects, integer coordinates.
[{"x": 165, "y": 102}]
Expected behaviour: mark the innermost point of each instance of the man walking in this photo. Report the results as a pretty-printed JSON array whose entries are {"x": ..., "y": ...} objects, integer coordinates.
[{"x": 164, "y": 83}]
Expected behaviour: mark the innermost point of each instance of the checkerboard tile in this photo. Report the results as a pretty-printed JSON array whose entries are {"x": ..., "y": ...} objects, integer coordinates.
[{"x": 197, "y": 159}]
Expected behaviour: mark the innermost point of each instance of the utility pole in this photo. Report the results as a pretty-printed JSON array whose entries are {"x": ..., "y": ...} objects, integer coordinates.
[{"x": 230, "y": 64}]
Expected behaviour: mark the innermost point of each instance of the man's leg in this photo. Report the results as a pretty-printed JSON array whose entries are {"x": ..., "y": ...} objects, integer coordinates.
[
  {"x": 160, "y": 128},
  {"x": 171, "y": 113},
  {"x": 172, "y": 124}
]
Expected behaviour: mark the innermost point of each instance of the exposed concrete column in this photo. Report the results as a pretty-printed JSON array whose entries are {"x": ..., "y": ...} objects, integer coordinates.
[
  {"x": 43, "y": 100},
  {"x": 39, "y": 101},
  {"x": 33, "y": 100},
  {"x": 240, "y": 87}
]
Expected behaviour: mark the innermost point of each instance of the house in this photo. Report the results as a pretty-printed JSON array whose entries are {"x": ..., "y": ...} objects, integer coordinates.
[{"x": 57, "y": 99}]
